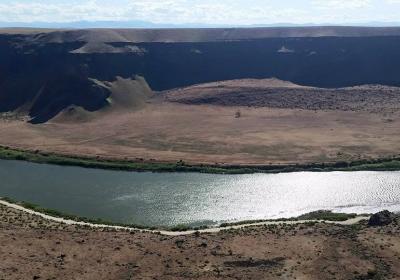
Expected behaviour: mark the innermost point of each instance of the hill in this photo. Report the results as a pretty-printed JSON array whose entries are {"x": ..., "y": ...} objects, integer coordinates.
[
  {"x": 44, "y": 73},
  {"x": 274, "y": 93},
  {"x": 140, "y": 35},
  {"x": 229, "y": 96}
]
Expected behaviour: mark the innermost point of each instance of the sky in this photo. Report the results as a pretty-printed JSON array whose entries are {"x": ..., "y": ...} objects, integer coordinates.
[{"x": 223, "y": 12}]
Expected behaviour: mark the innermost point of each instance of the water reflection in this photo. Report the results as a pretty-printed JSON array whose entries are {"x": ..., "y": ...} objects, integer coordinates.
[{"x": 172, "y": 198}]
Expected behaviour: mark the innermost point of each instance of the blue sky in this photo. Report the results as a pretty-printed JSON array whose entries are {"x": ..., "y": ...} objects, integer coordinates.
[{"x": 239, "y": 12}]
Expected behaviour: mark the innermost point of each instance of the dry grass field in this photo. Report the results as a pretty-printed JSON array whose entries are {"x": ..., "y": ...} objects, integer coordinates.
[{"x": 281, "y": 127}]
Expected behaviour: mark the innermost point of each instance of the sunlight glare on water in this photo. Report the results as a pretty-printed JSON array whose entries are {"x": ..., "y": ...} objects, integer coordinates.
[{"x": 165, "y": 199}]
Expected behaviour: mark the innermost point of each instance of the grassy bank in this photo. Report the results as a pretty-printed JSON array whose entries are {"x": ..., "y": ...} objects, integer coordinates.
[
  {"x": 58, "y": 214},
  {"x": 321, "y": 215},
  {"x": 66, "y": 216},
  {"x": 50, "y": 158},
  {"x": 386, "y": 164}
]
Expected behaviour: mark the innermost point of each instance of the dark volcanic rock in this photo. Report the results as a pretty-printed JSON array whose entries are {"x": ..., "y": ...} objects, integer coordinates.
[
  {"x": 255, "y": 263},
  {"x": 382, "y": 218},
  {"x": 47, "y": 73}
]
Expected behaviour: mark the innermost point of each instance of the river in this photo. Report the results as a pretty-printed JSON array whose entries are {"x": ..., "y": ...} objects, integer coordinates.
[{"x": 169, "y": 199}]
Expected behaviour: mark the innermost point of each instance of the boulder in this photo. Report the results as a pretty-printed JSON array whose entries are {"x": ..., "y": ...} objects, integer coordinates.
[{"x": 382, "y": 218}]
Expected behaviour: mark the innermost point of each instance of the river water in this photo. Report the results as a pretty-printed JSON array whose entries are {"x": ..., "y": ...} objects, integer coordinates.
[{"x": 168, "y": 199}]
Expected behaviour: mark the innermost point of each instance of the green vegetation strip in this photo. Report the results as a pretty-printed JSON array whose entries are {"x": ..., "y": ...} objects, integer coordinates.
[
  {"x": 321, "y": 215},
  {"x": 58, "y": 214},
  {"x": 62, "y": 215},
  {"x": 387, "y": 164}
]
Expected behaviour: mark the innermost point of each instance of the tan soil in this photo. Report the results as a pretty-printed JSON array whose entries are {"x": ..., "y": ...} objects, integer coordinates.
[
  {"x": 33, "y": 248},
  {"x": 211, "y": 134}
]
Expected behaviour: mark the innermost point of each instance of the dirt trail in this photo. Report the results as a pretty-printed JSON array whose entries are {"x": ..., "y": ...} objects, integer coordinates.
[{"x": 173, "y": 233}]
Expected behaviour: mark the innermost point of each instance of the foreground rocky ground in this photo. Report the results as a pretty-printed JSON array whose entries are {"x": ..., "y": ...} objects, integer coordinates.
[{"x": 32, "y": 248}]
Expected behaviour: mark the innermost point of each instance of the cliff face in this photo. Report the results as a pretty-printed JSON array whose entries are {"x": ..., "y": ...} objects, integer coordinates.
[{"x": 46, "y": 73}]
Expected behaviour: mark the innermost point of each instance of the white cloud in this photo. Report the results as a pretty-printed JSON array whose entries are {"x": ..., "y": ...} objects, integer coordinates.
[
  {"x": 58, "y": 12},
  {"x": 209, "y": 11},
  {"x": 342, "y": 4},
  {"x": 201, "y": 11}
]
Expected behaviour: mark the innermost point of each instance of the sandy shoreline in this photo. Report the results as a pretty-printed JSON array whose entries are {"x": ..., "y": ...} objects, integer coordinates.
[{"x": 176, "y": 233}]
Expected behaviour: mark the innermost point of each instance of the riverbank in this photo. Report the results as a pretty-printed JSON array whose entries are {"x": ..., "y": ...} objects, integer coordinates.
[
  {"x": 7, "y": 153},
  {"x": 56, "y": 216},
  {"x": 49, "y": 249}
]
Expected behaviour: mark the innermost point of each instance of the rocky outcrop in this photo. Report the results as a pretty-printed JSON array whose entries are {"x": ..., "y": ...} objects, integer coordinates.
[
  {"x": 47, "y": 73},
  {"x": 382, "y": 218}
]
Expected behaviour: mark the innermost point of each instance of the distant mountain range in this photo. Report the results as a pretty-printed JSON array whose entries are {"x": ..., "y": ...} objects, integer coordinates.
[{"x": 146, "y": 24}]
